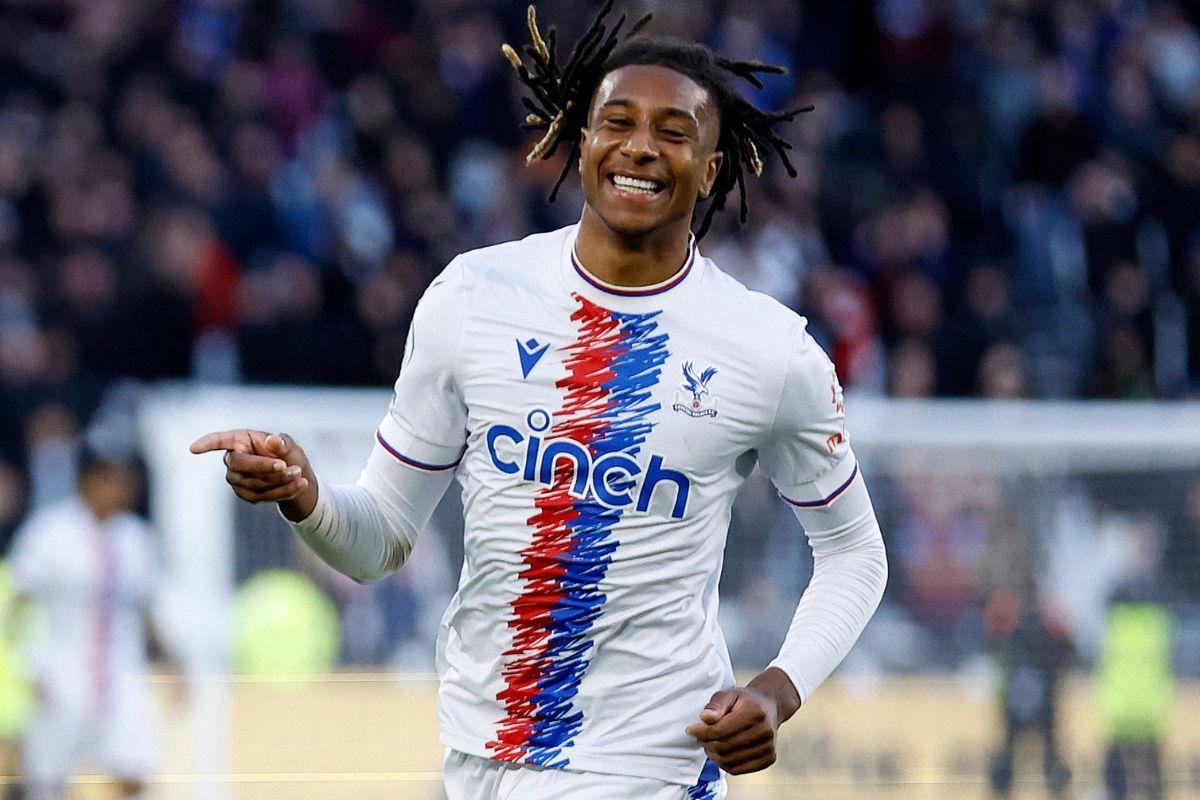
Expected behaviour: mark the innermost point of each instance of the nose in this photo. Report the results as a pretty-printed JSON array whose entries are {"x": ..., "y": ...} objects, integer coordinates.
[{"x": 639, "y": 145}]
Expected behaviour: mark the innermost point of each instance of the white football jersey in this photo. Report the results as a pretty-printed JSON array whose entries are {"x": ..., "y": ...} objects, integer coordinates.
[
  {"x": 600, "y": 434},
  {"x": 92, "y": 579}
]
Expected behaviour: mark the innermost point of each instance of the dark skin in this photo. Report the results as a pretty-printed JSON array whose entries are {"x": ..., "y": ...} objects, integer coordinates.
[
  {"x": 648, "y": 123},
  {"x": 653, "y": 123}
]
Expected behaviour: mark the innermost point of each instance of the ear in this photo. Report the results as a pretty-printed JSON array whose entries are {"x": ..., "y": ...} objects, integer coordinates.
[
  {"x": 711, "y": 171},
  {"x": 584, "y": 142}
]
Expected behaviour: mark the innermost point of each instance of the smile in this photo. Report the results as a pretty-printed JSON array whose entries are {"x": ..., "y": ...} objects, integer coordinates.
[{"x": 636, "y": 187}]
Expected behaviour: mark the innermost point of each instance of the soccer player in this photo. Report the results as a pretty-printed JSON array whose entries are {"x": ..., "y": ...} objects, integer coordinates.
[
  {"x": 601, "y": 392},
  {"x": 91, "y": 566}
]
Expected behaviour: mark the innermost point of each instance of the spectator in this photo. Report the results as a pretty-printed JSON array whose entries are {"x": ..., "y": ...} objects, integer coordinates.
[{"x": 1034, "y": 651}]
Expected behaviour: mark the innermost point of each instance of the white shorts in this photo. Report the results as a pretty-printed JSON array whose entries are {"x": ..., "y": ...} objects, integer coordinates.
[
  {"x": 473, "y": 778},
  {"x": 121, "y": 739}
]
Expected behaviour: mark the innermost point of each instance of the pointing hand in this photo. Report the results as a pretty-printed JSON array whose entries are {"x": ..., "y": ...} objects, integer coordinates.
[{"x": 264, "y": 467}]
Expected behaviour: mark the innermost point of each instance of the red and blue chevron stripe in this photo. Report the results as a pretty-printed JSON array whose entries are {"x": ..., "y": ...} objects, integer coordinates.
[{"x": 612, "y": 367}]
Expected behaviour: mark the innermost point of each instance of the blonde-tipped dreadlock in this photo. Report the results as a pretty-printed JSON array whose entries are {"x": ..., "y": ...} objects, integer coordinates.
[{"x": 561, "y": 97}]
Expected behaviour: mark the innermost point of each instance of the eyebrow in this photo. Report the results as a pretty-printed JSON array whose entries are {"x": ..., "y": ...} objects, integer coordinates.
[{"x": 670, "y": 111}]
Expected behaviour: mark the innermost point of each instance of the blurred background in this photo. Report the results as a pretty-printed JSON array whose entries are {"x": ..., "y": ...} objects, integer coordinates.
[{"x": 995, "y": 233}]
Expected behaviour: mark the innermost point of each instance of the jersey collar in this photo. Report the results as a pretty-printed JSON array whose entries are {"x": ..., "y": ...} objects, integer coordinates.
[{"x": 580, "y": 280}]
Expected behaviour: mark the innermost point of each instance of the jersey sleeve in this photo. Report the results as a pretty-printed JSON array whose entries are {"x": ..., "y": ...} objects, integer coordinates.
[
  {"x": 426, "y": 424},
  {"x": 367, "y": 530},
  {"x": 810, "y": 461},
  {"x": 807, "y": 452}
]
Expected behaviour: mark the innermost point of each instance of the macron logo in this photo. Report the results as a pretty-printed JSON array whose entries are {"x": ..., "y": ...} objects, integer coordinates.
[{"x": 530, "y": 355}]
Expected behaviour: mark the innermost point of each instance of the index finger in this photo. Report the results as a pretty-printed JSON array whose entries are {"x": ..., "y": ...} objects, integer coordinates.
[{"x": 235, "y": 440}]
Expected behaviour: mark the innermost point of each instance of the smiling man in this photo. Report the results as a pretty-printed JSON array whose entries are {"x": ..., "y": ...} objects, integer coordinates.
[
  {"x": 647, "y": 153},
  {"x": 601, "y": 392}
]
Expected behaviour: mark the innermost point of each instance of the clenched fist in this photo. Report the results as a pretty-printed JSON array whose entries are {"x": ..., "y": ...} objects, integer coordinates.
[
  {"x": 739, "y": 725},
  {"x": 263, "y": 467}
]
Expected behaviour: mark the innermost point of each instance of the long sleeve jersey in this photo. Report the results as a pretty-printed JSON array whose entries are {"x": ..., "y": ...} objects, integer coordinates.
[{"x": 600, "y": 434}]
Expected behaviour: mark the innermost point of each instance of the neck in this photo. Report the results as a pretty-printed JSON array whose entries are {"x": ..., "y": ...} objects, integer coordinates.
[
  {"x": 624, "y": 260},
  {"x": 99, "y": 512}
]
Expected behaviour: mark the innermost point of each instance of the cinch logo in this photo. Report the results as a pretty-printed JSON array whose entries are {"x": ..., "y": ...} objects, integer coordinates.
[{"x": 615, "y": 480}]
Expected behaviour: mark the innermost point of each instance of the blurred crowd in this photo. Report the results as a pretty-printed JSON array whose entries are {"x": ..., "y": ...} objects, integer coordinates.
[{"x": 996, "y": 198}]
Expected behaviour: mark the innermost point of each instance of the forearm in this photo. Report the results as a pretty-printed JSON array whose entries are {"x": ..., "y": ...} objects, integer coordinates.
[
  {"x": 350, "y": 533},
  {"x": 367, "y": 530},
  {"x": 847, "y": 584}
]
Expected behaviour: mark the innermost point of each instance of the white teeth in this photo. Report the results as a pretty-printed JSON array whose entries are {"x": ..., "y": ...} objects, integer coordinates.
[{"x": 634, "y": 184}]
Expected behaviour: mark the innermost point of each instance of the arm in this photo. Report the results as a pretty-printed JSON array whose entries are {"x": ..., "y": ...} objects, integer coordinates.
[
  {"x": 367, "y": 529},
  {"x": 849, "y": 575},
  {"x": 808, "y": 457},
  {"x": 738, "y": 727},
  {"x": 28, "y": 575},
  {"x": 32, "y": 558}
]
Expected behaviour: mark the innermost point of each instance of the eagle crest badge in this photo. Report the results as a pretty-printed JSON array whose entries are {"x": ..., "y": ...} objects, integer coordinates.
[{"x": 696, "y": 400}]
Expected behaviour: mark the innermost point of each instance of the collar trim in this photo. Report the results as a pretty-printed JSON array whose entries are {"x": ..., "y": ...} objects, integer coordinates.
[{"x": 638, "y": 291}]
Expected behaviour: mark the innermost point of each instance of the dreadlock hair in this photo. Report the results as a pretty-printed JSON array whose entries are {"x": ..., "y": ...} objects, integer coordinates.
[{"x": 562, "y": 96}]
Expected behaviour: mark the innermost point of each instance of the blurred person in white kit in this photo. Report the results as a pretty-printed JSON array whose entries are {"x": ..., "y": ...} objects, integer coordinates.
[{"x": 91, "y": 565}]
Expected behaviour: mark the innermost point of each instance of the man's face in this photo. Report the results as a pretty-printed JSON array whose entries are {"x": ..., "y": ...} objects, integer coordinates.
[{"x": 649, "y": 151}]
